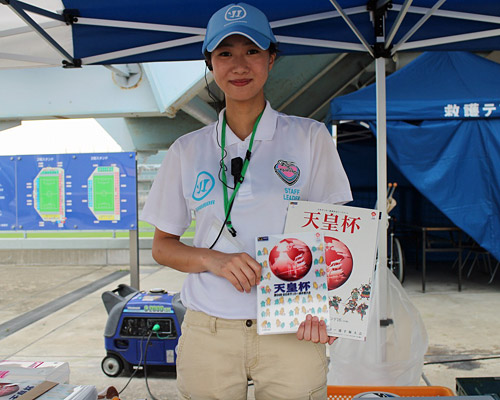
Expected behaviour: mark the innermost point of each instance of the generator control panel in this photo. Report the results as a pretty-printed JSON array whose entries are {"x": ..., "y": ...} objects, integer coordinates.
[{"x": 142, "y": 326}]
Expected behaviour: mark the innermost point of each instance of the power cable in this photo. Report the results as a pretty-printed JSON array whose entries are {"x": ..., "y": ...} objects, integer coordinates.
[
  {"x": 140, "y": 362},
  {"x": 461, "y": 360},
  {"x": 155, "y": 329}
]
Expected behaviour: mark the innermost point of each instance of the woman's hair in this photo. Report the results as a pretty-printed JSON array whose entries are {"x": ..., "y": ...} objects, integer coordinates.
[{"x": 273, "y": 49}]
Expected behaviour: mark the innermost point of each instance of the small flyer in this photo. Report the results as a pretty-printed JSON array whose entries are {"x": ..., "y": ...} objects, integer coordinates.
[
  {"x": 45, "y": 390},
  {"x": 350, "y": 236},
  {"x": 293, "y": 282},
  {"x": 54, "y": 371}
]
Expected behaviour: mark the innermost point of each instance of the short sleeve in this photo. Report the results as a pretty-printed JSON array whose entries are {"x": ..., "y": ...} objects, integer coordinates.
[
  {"x": 328, "y": 183},
  {"x": 166, "y": 206}
]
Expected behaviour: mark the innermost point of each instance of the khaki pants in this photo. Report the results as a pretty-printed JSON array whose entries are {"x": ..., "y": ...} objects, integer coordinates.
[{"x": 216, "y": 358}]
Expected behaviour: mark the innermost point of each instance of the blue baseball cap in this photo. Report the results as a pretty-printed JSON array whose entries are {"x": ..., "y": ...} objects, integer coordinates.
[{"x": 238, "y": 19}]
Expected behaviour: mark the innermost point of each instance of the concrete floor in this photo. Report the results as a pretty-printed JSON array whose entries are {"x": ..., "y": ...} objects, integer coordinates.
[{"x": 463, "y": 327}]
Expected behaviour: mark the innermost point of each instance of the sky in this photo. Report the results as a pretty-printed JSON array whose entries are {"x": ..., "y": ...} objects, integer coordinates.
[{"x": 57, "y": 137}]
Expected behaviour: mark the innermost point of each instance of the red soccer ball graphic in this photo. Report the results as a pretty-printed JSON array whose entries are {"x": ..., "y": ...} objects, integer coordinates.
[
  {"x": 290, "y": 259},
  {"x": 338, "y": 262}
]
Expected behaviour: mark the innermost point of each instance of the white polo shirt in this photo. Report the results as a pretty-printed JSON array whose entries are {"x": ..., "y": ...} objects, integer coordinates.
[{"x": 293, "y": 158}]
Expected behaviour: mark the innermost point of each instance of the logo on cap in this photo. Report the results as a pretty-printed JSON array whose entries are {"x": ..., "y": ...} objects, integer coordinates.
[{"x": 235, "y": 13}]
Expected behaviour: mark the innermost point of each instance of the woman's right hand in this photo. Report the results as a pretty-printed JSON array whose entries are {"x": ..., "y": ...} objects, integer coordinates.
[{"x": 238, "y": 268}]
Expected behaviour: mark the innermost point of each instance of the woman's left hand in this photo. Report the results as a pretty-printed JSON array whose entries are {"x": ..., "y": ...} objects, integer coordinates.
[{"x": 314, "y": 330}]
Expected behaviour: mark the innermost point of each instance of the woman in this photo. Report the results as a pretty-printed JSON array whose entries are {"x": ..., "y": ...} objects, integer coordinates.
[{"x": 219, "y": 350}]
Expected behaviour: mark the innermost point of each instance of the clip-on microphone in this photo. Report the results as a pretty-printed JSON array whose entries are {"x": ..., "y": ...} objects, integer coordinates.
[{"x": 236, "y": 167}]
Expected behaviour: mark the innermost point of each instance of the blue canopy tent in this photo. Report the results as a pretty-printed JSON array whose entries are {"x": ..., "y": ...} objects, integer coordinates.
[
  {"x": 443, "y": 133},
  {"x": 84, "y": 32}
]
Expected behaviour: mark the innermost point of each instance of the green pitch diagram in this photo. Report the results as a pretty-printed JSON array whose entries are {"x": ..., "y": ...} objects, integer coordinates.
[
  {"x": 48, "y": 194},
  {"x": 104, "y": 193}
]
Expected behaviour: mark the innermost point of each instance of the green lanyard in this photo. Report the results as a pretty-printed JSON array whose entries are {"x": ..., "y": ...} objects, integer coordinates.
[{"x": 228, "y": 203}]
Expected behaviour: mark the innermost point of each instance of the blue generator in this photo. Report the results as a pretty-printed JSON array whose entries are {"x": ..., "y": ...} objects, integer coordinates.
[{"x": 143, "y": 328}]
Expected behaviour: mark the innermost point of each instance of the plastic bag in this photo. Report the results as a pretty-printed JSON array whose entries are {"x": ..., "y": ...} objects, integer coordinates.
[{"x": 355, "y": 362}]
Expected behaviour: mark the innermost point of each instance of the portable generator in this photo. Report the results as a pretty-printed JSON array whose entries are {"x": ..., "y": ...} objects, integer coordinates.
[{"x": 143, "y": 328}]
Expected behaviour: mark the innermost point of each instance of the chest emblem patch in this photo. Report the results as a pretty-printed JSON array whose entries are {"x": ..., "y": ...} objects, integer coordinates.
[{"x": 287, "y": 171}]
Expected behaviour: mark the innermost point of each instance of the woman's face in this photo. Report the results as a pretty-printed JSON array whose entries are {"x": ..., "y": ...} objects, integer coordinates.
[{"x": 241, "y": 68}]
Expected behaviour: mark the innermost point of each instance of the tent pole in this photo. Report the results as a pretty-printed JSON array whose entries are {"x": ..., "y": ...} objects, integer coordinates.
[
  {"x": 17, "y": 9},
  {"x": 381, "y": 276}
]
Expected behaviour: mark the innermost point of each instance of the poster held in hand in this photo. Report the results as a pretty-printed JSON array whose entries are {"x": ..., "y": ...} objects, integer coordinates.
[
  {"x": 350, "y": 235},
  {"x": 293, "y": 281}
]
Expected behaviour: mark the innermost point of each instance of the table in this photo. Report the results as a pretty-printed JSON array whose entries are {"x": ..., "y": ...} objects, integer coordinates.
[{"x": 444, "y": 245}]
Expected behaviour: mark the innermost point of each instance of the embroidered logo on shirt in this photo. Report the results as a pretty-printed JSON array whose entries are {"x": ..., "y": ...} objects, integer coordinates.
[
  {"x": 287, "y": 171},
  {"x": 203, "y": 185}
]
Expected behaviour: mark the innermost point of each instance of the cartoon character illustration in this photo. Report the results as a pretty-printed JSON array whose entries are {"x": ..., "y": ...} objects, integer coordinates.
[
  {"x": 362, "y": 310},
  {"x": 355, "y": 294},
  {"x": 365, "y": 290},
  {"x": 351, "y": 306},
  {"x": 334, "y": 302}
]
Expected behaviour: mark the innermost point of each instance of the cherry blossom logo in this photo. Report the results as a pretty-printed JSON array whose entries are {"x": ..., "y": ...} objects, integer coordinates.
[{"x": 287, "y": 171}]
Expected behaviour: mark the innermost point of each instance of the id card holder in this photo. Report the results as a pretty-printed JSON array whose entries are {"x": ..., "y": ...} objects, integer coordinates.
[{"x": 226, "y": 243}]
